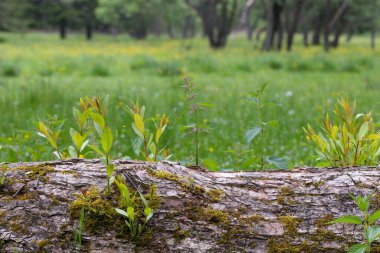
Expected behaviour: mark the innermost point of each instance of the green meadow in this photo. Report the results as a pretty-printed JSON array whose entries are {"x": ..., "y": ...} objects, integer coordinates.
[{"x": 41, "y": 75}]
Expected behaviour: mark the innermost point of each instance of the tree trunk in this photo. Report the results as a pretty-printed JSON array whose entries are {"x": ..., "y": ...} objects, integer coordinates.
[
  {"x": 274, "y": 25},
  {"x": 62, "y": 28},
  {"x": 292, "y": 27},
  {"x": 374, "y": 21},
  {"x": 305, "y": 35},
  {"x": 267, "y": 211},
  {"x": 88, "y": 31}
]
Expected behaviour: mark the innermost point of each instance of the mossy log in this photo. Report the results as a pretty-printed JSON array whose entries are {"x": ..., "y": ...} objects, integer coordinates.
[{"x": 267, "y": 211}]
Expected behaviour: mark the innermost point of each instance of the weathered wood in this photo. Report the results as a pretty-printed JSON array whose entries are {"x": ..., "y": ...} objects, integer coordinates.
[{"x": 269, "y": 211}]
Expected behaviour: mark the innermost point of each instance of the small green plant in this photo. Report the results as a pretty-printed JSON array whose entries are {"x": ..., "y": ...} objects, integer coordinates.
[
  {"x": 370, "y": 232},
  {"x": 3, "y": 171},
  {"x": 106, "y": 141},
  {"x": 150, "y": 141},
  {"x": 80, "y": 138},
  {"x": 256, "y": 97},
  {"x": 51, "y": 130},
  {"x": 194, "y": 107},
  {"x": 137, "y": 216},
  {"x": 78, "y": 231},
  {"x": 241, "y": 156},
  {"x": 352, "y": 141}
]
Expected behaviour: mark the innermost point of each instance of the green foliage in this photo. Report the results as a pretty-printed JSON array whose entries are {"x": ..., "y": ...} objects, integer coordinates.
[
  {"x": 256, "y": 97},
  {"x": 352, "y": 141},
  {"x": 137, "y": 213},
  {"x": 371, "y": 232},
  {"x": 2, "y": 176},
  {"x": 51, "y": 130},
  {"x": 9, "y": 70},
  {"x": 149, "y": 139},
  {"x": 78, "y": 231},
  {"x": 194, "y": 108}
]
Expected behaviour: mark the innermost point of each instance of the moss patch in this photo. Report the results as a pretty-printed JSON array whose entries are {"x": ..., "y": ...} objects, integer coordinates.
[
  {"x": 35, "y": 171},
  {"x": 286, "y": 196},
  {"x": 214, "y": 195}
]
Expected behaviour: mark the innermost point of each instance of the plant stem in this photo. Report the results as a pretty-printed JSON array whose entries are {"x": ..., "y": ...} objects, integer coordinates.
[
  {"x": 261, "y": 133},
  {"x": 196, "y": 138}
]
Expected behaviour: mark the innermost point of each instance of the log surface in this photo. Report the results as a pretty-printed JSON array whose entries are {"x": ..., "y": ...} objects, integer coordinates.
[{"x": 267, "y": 211}]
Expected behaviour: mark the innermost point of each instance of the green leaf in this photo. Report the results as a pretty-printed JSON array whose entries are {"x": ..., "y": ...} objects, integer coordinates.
[
  {"x": 139, "y": 123},
  {"x": 374, "y": 217},
  {"x": 136, "y": 145},
  {"x": 272, "y": 123},
  {"x": 77, "y": 138},
  {"x": 72, "y": 152},
  {"x": 357, "y": 248},
  {"x": 148, "y": 213},
  {"x": 362, "y": 202},
  {"x": 211, "y": 165},
  {"x": 251, "y": 134},
  {"x": 137, "y": 131},
  {"x": 122, "y": 212},
  {"x": 373, "y": 232},
  {"x": 349, "y": 219},
  {"x": 279, "y": 162},
  {"x": 107, "y": 139},
  {"x": 363, "y": 130},
  {"x": 110, "y": 169},
  {"x": 96, "y": 149},
  {"x": 99, "y": 122}
]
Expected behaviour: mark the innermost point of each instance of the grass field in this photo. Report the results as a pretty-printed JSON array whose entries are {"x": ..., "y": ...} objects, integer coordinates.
[{"x": 40, "y": 75}]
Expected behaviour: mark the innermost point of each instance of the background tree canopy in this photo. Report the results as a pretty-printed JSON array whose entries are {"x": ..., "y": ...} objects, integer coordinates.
[{"x": 320, "y": 22}]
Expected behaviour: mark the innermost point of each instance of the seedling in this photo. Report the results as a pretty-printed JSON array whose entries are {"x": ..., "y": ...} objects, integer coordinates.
[
  {"x": 256, "y": 97},
  {"x": 78, "y": 231},
  {"x": 370, "y": 232},
  {"x": 51, "y": 130},
  {"x": 2, "y": 177},
  {"x": 80, "y": 138},
  {"x": 352, "y": 141},
  {"x": 144, "y": 136},
  {"x": 133, "y": 210},
  {"x": 194, "y": 108},
  {"x": 106, "y": 139}
]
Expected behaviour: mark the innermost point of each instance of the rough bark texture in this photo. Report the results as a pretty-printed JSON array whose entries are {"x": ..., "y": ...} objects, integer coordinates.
[{"x": 269, "y": 211}]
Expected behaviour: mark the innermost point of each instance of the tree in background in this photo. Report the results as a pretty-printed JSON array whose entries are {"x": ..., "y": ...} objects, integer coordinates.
[
  {"x": 217, "y": 17},
  {"x": 13, "y": 15}
]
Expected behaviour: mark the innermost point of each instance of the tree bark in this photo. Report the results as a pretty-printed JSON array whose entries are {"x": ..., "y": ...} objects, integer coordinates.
[
  {"x": 62, "y": 28},
  {"x": 267, "y": 211},
  {"x": 292, "y": 27},
  {"x": 88, "y": 31}
]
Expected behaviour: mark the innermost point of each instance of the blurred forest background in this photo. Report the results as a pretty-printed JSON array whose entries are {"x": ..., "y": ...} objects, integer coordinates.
[
  {"x": 320, "y": 22},
  {"x": 52, "y": 52}
]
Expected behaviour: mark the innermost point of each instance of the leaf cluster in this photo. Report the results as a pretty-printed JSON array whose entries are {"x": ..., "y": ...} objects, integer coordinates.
[
  {"x": 371, "y": 232},
  {"x": 353, "y": 140}
]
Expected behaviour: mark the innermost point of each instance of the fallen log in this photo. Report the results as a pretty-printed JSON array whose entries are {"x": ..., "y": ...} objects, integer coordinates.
[{"x": 266, "y": 211}]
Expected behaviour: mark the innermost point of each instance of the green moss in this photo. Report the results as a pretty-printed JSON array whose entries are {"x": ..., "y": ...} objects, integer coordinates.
[
  {"x": 322, "y": 234},
  {"x": 42, "y": 243},
  {"x": 35, "y": 171},
  {"x": 215, "y": 216},
  {"x": 276, "y": 246},
  {"x": 180, "y": 234},
  {"x": 145, "y": 238},
  {"x": 169, "y": 176},
  {"x": 17, "y": 227},
  {"x": 290, "y": 224},
  {"x": 100, "y": 211},
  {"x": 286, "y": 196},
  {"x": 170, "y": 216},
  {"x": 214, "y": 194},
  {"x": 199, "y": 190},
  {"x": 70, "y": 172}
]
